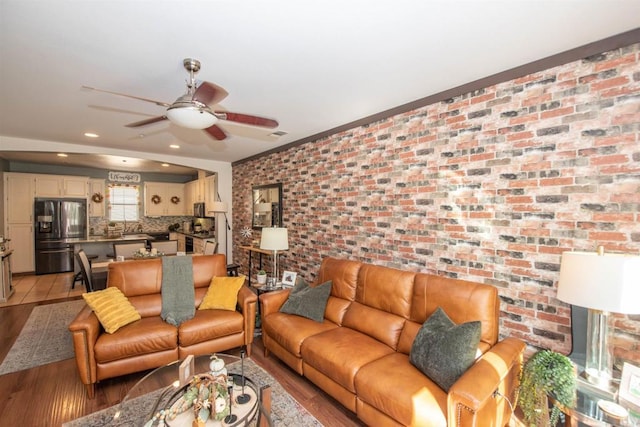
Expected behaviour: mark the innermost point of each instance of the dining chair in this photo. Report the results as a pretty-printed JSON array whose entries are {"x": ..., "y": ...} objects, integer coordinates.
[
  {"x": 167, "y": 247},
  {"x": 127, "y": 250},
  {"x": 210, "y": 247},
  {"x": 85, "y": 269}
]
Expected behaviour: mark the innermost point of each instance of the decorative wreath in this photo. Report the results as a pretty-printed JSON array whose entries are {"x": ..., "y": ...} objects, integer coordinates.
[
  {"x": 156, "y": 199},
  {"x": 175, "y": 200},
  {"x": 97, "y": 198}
]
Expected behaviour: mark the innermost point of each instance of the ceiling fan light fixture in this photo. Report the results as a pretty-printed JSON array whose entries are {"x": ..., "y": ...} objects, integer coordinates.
[{"x": 191, "y": 117}]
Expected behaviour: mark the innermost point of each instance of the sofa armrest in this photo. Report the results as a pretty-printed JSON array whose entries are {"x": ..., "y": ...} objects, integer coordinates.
[
  {"x": 248, "y": 301},
  {"x": 85, "y": 329},
  {"x": 473, "y": 400},
  {"x": 271, "y": 302}
]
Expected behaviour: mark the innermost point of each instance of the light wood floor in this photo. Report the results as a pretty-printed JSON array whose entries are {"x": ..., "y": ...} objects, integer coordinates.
[
  {"x": 47, "y": 287},
  {"x": 52, "y": 394}
]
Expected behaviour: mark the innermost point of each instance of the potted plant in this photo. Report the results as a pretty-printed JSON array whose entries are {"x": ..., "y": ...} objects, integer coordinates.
[
  {"x": 546, "y": 374},
  {"x": 262, "y": 277}
]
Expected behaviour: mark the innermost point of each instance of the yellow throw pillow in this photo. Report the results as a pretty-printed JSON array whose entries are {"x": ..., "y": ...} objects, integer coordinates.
[
  {"x": 222, "y": 293},
  {"x": 112, "y": 308}
]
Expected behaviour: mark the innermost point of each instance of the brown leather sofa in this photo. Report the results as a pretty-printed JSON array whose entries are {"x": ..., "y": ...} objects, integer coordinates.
[
  {"x": 359, "y": 354},
  {"x": 151, "y": 342}
]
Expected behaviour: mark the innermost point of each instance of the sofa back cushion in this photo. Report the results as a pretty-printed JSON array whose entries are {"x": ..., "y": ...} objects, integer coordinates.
[
  {"x": 344, "y": 276},
  {"x": 141, "y": 280},
  {"x": 463, "y": 301},
  {"x": 382, "y": 304}
]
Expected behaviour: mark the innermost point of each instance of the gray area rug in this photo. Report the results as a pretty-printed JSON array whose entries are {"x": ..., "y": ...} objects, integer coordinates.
[
  {"x": 285, "y": 410},
  {"x": 45, "y": 338}
]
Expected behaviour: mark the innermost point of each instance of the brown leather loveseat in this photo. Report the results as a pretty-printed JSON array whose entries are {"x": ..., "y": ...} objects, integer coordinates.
[
  {"x": 151, "y": 342},
  {"x": 359, "y": 354}
]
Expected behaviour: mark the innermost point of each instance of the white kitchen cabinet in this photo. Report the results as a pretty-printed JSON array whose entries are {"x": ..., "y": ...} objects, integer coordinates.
[
  {"x": 60, "y": 186},
  {"x": 18, "y": 214},
  {"x": 18, "y": 193},
  {"x": 210, "y": 190},
  {"x": 164, "y": 199},
  {"x": 21, "y": 241},
  {"x": 96, "y": 209}
]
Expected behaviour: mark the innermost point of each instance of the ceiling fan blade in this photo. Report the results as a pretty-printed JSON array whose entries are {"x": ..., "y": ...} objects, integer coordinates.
[
  {"x": 146, "y": 122},
  {"x": 209, "y": 94},
  {"x": 246, "y": 119},
  {"x": 160, "y": 103},
  {"x": 216, "y": 132}
]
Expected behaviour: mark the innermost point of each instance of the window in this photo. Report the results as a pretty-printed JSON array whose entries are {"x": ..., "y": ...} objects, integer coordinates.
[{"x": 123, "y": 202}]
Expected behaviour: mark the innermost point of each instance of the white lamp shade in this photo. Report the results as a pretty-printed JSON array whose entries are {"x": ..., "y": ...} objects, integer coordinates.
[
  {"x": 609, "y": 282},
  {"x": 218, "y": 207},
  {"x": 191, "y": 117},
  {"x": 274, "y": 239}
]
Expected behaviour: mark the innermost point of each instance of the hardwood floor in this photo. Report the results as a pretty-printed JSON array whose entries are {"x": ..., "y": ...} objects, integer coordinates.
[{"x": 52, "y": 394}]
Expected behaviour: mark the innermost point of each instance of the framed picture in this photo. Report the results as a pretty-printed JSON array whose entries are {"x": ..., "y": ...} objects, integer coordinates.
[
  {"x": 630, "y": 384},
  {"x": 289, "y": 278}
]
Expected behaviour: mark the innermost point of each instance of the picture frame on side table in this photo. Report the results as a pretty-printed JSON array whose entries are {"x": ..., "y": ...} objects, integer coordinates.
[
  {"x": 289, "y": 279},
  {"x": 630, "y": 385}
]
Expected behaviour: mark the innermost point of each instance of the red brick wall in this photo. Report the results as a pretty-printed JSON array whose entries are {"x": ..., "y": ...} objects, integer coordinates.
[{"x": 490, "y": 186}]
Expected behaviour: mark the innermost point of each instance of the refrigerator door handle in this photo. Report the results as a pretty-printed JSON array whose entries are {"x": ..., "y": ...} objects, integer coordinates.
[{"x": 57, "y": 251}]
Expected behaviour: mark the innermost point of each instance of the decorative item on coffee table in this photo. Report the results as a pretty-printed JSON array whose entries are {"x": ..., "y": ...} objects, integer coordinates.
[{"x": 261, "y": 277}]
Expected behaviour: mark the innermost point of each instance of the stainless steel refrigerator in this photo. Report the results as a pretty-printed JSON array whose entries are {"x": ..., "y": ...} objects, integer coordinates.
[{"x": 59, "y": 223}]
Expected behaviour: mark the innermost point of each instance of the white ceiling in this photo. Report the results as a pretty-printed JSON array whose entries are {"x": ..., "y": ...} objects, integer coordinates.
[{"x": 312, "y": 66}]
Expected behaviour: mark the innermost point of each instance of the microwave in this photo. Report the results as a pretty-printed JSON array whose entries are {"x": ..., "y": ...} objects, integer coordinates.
[{"x": 198, "y": 210}]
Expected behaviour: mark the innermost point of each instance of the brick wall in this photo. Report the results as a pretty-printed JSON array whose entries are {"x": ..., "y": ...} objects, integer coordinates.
[{"x": 490, "y": 186}]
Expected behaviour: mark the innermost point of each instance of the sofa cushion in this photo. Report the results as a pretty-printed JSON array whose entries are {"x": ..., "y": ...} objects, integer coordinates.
[
  {"x": 306, "y": 301},
  {"x": 149, "y": 335},
  {"x": 341, "y": 352},
  {"x": 290, "y": 331},
  {"x": 444, "y": 350},
  {"x": 222, "y": 293},
  {"x": 209, "y": 324},
  {"x": 395, "y": 387},
  {"x": 112, "y": 308}
]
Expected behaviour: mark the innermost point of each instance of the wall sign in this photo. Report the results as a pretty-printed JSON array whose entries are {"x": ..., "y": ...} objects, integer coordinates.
[{"x": 124, "y": 177}]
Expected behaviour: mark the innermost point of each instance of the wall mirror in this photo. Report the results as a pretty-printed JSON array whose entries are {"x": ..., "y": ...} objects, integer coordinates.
[{"x": 267, "y": 205}]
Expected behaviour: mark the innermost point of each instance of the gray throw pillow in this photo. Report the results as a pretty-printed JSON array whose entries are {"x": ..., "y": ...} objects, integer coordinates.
[
  {"x": 307, "y": 301},
  {"x": 442, "y": 350}
]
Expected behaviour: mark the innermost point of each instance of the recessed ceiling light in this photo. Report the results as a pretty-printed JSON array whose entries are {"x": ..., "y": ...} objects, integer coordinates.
[
  {"x": 174, "y": 146},
  {"x": 62, "y": 155},
  {"x": 91, "y": 135},
  {"x": 166, "y": 165}
]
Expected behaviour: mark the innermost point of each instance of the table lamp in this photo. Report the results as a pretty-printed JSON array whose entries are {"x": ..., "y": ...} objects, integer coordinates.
[
  {"x": 274, "y": 239},
  {"x": 604, "y": 284}
]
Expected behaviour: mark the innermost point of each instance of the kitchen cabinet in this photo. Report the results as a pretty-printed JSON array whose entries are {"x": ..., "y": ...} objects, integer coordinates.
[
  {"x": 61, "y": 186},
  {"x": 210, "y": 190},
  {"x": 164, "y": 199},
  {"x": 6, "y": 287},
  {"x": 18, "y": 214},
  {"x": 21, "y": 241},
  {"x": 18, "y": 192},
  {"x": 181, "y": 241},
  {"x": 198, "y": 245},
  {"x": 96, "y": 186}
]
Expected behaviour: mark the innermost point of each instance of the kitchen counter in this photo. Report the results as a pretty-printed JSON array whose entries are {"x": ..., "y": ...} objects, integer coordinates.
[
  {"x": 208, "y": 235},
  {"x": 112, "y": 238}
]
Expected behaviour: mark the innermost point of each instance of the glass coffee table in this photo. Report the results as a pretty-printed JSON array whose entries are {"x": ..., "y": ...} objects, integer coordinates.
[{"x": 158, "y": 390}]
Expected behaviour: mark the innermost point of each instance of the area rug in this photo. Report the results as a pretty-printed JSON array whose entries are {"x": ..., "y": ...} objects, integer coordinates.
[
  {"x": 285, "y": 410},
  {"x": 45, "y": 337}
]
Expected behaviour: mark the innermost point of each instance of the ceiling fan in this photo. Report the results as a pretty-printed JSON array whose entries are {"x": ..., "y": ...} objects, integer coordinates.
[{"x": 194, "y": 109}]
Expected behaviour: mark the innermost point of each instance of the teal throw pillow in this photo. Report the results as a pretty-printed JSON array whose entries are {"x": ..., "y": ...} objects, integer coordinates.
[
  {"x": 442, "y": 350},
  {"x": 307, "y": 301}
]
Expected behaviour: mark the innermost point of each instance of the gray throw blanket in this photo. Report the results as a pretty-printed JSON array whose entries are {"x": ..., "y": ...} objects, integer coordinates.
[{"x": 178, "y": 294}]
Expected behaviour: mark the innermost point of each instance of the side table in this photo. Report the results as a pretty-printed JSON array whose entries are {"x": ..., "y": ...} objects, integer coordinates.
[
  {"x": 263, "y": 290},
  {"x": 587, "y": 412}
]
